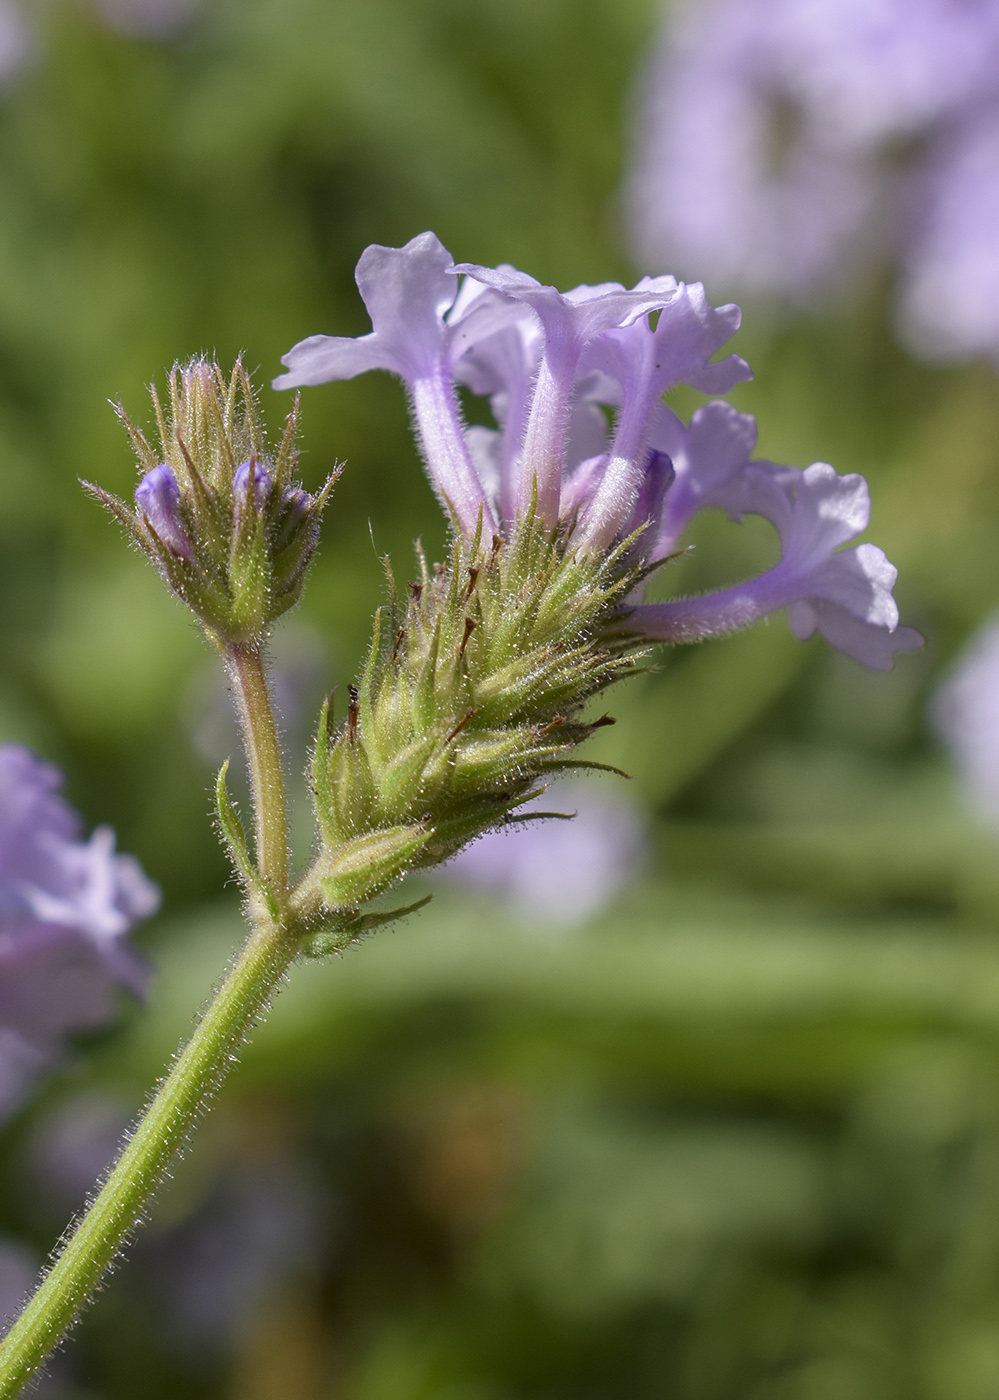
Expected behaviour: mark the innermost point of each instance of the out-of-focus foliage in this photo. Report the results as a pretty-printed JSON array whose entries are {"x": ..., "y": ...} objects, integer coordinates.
[{"x": 739, "y": 1136}]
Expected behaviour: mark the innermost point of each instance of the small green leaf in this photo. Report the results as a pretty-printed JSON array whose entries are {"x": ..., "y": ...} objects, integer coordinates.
[{"x": 235, "y": 840}]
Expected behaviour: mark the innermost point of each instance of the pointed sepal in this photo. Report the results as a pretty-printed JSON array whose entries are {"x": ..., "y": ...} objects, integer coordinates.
[{"x": 348, "y": 930}]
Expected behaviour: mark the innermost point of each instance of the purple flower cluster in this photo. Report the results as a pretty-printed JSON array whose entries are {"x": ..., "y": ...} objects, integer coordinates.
[
  {"x": 66, "y": 906},
  {"x": 555, "y": 366},
  {"x": 781, "y": 143}
]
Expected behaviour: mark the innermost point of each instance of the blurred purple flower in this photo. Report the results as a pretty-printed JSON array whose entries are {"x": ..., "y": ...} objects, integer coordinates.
[
  {"x": 16, "y": 40},
  {"x": 146, "y": 19},
  {"x": 254, "y": 1224},
  {"x": 559, "y": 872},
  {"x": 73, "y": 1145},
  {"x": 18, "y": 1276},
  {"x": 66, "y": 908},
  {"x": 950, "y": 285},
  {"x": 782, "y": 145},
  {"x": 965, "y": 713},
  {"x": 261, "y": 1227}
]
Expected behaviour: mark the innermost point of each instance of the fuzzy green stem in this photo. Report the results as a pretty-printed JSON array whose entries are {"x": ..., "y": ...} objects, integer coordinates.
[
  {"x": 263, "y": 750},
  {"x": 166, "y": 1124},
  {"x": 198, "y": 1070}
]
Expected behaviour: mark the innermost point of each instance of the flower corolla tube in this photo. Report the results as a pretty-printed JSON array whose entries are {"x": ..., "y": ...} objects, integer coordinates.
[
  {"x": 584, "y": 441},
  {"x": 66, "y": 908}
]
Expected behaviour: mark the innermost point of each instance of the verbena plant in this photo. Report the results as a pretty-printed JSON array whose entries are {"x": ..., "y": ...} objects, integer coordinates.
[{"x": 481, "y": 669}]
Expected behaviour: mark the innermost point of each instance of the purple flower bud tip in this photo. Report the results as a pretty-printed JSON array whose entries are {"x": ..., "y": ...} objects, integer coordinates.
[
  {"x": 157, "y": 492},
  {"x": 297, "y": 503},
  {"x": 157, "y": 497},
  {"x": 252, "y": 472}
]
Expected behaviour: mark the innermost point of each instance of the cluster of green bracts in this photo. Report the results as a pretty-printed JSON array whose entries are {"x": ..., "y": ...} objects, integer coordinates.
[{"x": 470, "y": 701}]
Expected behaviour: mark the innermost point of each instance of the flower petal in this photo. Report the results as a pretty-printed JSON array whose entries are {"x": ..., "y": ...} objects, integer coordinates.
[
  {"x": 874, "y": 647},
  {"x": 845, "y": 594},
  {"x": 322, "y": 359}
]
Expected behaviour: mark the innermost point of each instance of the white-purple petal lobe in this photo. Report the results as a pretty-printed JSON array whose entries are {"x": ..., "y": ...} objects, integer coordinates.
[
  {"x": 874, "y": 647},
  {"x": 323, "y": 359},
  {"x": 407, "y": 291}
]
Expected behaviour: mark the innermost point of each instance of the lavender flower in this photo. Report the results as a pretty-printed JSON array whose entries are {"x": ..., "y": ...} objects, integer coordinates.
[
  {"x": 782, "y": 145},
  {"x": 146, "y": 19},
  {"x": 66, "y": 907},
  {"x": 16, "y": 41},
  {"x": 561, "y": 872},
  {"x": 422, "y": 329},
  {"x": 550, "y": 363},
  {"x": 965, "y": 713}
]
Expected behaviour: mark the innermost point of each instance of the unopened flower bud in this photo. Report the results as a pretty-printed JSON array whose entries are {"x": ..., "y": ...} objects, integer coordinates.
[
  {"x": 296, "y": 534},
  {"x": 252, "y": 473},
  {"x": 157, "y": 497},
  {"x": 233, "y": 541}
]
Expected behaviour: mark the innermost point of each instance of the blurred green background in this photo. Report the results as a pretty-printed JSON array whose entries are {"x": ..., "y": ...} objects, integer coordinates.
[{"x": 735, "y": 1138}]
